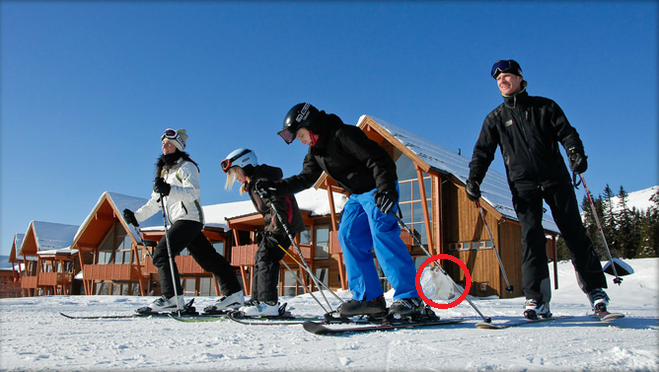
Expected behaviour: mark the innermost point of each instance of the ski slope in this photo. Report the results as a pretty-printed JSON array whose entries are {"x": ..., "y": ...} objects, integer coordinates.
[{"x": 35, "y": 337}]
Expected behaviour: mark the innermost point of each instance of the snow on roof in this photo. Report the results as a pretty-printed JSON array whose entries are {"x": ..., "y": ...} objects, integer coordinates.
[
  {"x": 133, "y": 203},
  {"x": 4, "y": 263},
  {"x": 495, "y": 190},
  {"x": 18, "y": 240},
  {"x": 310, "y": 199},
  {"x": 53, "y": 236}
]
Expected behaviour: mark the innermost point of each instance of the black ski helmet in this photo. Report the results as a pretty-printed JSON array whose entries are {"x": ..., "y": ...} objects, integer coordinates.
[{"x": 301, "y": 115}]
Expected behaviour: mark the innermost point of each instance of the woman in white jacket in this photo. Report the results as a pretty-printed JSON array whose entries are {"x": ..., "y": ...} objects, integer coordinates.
[{"x": 177, "y": 183}]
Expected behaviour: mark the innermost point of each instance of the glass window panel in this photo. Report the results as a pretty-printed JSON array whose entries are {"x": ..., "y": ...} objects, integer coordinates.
[
  {"x": 418, "y": 212},
  {"x": 189, "y": 286},
  {"x": 406, "y": 210},
  {"x": 405, "y": 190},
  {"x": 321, "y": 241},
  {"x": 405, "y": 168},
  {"x": 219, "y": 247},
  {"x": 305, "y": 236}
]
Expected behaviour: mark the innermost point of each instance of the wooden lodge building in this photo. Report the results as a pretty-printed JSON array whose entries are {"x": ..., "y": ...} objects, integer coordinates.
[
  {"x": 47, "y": 258},
  {"x": 107, "y": 256}
]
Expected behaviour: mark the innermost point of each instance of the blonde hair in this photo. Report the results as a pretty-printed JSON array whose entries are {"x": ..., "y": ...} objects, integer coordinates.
[{"x": 231, "y": 178}]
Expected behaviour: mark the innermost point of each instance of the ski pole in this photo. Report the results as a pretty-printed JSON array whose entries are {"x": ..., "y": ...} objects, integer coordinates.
[
  {"x": 169, "y": 253},
  {"x": 301, "y": 282},
  {"x": 617, "y": 280},
  {"x": 455, "y": 285},
  {"x": 509, "y": 288},
  {"x": 139, "y": 234},
  {"x": 299, "y": 251},
  {"x": 305, "y": 269}
]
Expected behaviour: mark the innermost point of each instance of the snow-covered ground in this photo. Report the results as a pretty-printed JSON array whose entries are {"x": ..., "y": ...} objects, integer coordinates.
[{"x": 36, "y": 337}]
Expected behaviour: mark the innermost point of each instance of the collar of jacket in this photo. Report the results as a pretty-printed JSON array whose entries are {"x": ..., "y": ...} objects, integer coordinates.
[
  {"x": 325, "y": 126},
  {"x": 515, "y": 99}
]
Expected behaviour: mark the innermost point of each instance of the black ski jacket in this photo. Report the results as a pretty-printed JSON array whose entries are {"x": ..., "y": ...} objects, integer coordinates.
[
  {"x": 528, "y": 129},
  {"x": 286, "y": 205},
  {"x": 355, "y": 162}
]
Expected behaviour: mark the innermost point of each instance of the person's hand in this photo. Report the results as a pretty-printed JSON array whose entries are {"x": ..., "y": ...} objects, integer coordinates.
[
  {"x": 577, "y": 160},
  {"x": 386, "y": 200},
  {"x": 267, "y": 188},
  {"x": 161, "y": 187},
  {"x": 129, "y": 217},
  {"x": 473, "y": 190}
]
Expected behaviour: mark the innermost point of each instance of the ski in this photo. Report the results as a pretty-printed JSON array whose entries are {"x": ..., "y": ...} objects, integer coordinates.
[
  {"x": 128, "y": 316},
  {"x": 323, "y": 329},
  {"x": 608, "y": 316},
  {"x": 518, "y": 322},
  {"x": 188, "y": 310},
  {"x": 200, "y": 318},
  {"x": 285, "y": 319}
]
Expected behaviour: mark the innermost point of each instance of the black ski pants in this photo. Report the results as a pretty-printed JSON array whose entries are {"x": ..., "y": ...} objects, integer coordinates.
[
  {"x": 182, "y": 234},
  {"x": 527, "y": 200},
  {"x": 266, "y": 267}
]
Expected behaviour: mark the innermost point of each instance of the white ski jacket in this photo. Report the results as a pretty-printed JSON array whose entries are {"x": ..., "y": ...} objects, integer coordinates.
[{"x": 183, "y": 201}]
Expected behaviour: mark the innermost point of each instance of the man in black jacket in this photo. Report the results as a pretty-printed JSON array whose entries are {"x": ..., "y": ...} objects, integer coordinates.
[
  {"x": 365, "y": 170},
  {"x": 528, "y": 130}
]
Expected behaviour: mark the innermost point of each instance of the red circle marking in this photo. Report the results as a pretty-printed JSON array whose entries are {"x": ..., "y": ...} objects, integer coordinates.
[{"x": 430, "y": 302}]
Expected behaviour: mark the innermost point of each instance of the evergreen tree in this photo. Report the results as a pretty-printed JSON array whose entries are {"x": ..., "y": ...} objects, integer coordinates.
[
  {"x": 590, "y": 223},
  {"x": 628, "y": 234},
  {"x": 609, "y": 223},
  {"x": 649, "y": 242}
]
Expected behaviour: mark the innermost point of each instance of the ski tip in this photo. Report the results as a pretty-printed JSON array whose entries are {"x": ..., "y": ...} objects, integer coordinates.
[
  {"x": 609, "y": 317},
  {"x": 315, "y": 328}
]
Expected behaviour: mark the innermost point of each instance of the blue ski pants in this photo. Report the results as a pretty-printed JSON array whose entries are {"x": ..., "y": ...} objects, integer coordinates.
[{"x": 364, "y": 228}]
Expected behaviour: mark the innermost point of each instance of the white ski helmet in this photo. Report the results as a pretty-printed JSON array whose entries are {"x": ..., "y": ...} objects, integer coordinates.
[{"x": 239, "y": 158}]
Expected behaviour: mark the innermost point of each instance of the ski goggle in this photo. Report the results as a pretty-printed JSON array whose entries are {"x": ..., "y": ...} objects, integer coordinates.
[
  {"x": 228, "y": 163},
  {"x": 505, "y": 66},
  {"x": 287, "y": 136},
  {"x": 169, "y": 133}
]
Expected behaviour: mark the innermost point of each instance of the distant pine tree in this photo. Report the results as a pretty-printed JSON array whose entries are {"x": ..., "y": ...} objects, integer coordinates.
[
  {"x": 649, "y": 242},
  {"x": 610, "y": 223},
  {"x": 628, "y": 232}
]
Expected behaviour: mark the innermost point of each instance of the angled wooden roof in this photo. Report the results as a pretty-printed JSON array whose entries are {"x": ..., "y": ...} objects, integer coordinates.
[{"x": 47, "y": 236}]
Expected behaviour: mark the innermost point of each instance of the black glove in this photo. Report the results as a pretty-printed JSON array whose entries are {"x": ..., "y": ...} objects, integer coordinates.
[
  {"x": 386, "y": 200},
  {"x": 129, "y": 217},
  {"x": 161, "y": 187},
  {"x": 473, "y": 190},
  {"x": 577, "y": 160},
  {"x": 267, "y": 188}
]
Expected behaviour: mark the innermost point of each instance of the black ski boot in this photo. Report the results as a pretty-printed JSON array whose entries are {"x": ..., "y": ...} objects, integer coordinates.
[
  {"x": 373, "y": 308},
  {"x": 407, "y": 308}
]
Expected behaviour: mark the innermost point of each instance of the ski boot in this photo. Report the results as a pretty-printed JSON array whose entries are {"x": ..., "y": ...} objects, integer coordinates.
[
  {"x": 535, "y": 309},
  {"x": 257, "y": 309},
  {"x": 226, "y": 304},
  {"x": 374, "y": 309},
  {"x": 167, "y": 305},
  {"x": 599, "y": 301},
  {"x": 410, "y": 309}
]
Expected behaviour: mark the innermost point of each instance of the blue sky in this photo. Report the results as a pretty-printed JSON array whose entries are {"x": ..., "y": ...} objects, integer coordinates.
[{"x": 87, "y": 87}]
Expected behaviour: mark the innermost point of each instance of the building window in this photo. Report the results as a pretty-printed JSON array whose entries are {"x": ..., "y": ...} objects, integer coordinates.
[
  {"x": 305, "y": 236},
  {"x": 116, "y": 248},
  {"x": 470, "y": 245},
  {"x": 206, "y": 287},
  {"x": 321, "y": 241},
  {"x": 219, "y": 247},
  {"x": 411, "y": 201}
]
